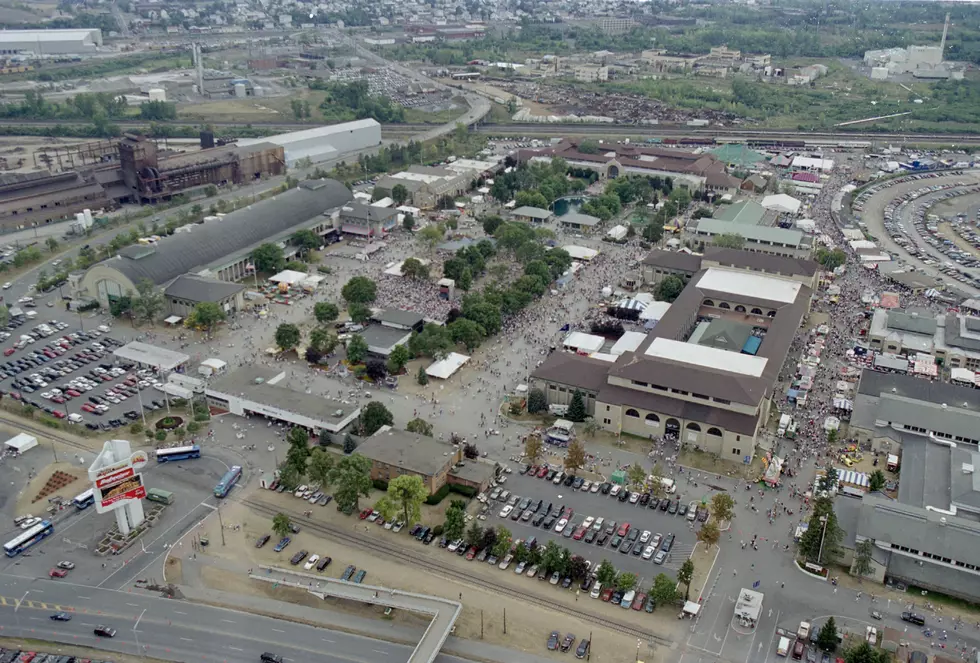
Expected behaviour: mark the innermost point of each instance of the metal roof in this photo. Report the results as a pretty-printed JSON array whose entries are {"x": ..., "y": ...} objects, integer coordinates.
[
  {"x": 533, "y": 212},
  {"x": 408, "y": 451},
  {"x": 237, "y": 232},
  {"x": 201, "y": 289},
  {"x": 779, "y": 236},
  {"x": 739, "y": 283},
  {"x": 746, "y": 212}
]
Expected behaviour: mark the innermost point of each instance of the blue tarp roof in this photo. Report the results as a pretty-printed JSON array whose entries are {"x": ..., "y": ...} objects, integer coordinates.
[{"x": 752, "y": 345}]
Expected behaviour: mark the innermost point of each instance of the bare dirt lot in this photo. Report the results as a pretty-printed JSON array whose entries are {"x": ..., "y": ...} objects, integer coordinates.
[{"x": 527, "y": 626}]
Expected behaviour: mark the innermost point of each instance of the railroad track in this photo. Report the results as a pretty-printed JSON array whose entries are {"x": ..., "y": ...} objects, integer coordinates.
[
  {"x": 44, "y": 432},
  {"x": 398, "y": 553}
]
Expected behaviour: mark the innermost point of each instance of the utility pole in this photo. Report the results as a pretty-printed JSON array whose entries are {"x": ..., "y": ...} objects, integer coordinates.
[
  {"x": 588, "y": 655},
  {"x": 505, "y": 621},
  {"x": 823, "y": 535},
  {"x": 481, "y": 625},
  {"x": 221, "y": 524}
]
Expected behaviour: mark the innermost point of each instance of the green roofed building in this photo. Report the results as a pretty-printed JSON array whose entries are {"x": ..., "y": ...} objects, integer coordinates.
[
  {"x": 737, "y": 155},
  {"x": 747, "y": 212}
]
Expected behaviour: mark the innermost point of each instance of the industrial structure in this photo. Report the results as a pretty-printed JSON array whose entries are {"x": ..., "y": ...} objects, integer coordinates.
[
  {"x": 323, "y": 143},
  {"x": 39, "y": 43}
]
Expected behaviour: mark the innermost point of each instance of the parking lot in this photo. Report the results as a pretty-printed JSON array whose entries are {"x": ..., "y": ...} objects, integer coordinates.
[{"x": 595, "y": 544}]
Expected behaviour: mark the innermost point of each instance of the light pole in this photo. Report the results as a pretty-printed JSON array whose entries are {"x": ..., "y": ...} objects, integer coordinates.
[
  {"x": 139, "y": 397},
  {"x": 824, "y": 520},
  {"x": 136, "y": 634},
  {"x": 17, "y": 607}
]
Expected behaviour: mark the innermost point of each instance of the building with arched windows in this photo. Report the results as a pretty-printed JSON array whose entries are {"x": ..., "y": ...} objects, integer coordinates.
[{"x": 706, "y": 373}]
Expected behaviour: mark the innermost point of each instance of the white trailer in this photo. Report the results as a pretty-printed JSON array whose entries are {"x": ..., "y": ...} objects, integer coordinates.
[{"x": 20, "y": 443}]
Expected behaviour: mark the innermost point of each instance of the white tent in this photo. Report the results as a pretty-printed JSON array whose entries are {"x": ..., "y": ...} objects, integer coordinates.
[
  {"x": 617, "y": 232},
  {"x": 20, "y": 443},
  {"x": 586, "y": 343},
  {"x": 782, "y": 202},
  {"x": 655, "y": 311},
  {"x": 628, "y": 342},
  {"x": 444, "y": 368},
  {"x": 289, "y": 277},
  {"x": 580, "y": 252}
]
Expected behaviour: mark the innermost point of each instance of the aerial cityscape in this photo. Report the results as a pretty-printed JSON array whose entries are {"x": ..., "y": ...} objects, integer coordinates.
[{"x": 489, "y": 331}]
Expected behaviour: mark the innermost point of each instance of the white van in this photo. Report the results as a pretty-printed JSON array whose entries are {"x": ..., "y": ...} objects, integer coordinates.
[
  {"x": 596, "y": 590},
  {"x": 783, "y": 648},
  {"x": 615, "y": 490},
  {"x": 30, "y": 315},
  {"x": 627, "y": 602},
  {"x": 597, "y": 525}
]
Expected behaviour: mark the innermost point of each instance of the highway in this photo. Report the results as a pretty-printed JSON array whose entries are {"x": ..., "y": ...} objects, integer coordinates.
[{"x": 176, "y": 630}]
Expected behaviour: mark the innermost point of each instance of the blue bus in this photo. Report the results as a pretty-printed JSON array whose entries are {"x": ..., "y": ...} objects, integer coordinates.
[
  {"x": 24, "y": 541},
  {"x": 227, "y": 481},
  {"x": 84, "y": 500},
  {"x": 178, "y": 453}
]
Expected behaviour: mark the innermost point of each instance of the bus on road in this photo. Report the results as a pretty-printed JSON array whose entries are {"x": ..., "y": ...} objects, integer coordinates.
[
  {"x": 84, "y": 500},
  {"x": 230, "y": 478},
  {"x": 27, "y": 539},
  {"x": 178, "y": 453},
  {"x": 158, "y": 495}
]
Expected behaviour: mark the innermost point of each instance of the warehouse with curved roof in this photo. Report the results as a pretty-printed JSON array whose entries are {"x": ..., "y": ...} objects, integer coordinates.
[{"x": 218, "y": 249}]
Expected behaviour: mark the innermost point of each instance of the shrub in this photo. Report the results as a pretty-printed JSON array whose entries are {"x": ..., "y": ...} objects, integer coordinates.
[
  {"x": 135, "y": 427},
  {"x": 161, "y": 435},
  {"x": 437, "y": 530},
  {"x": 437, "y": 496},
  {"x": 193, "y": 427},
  {"x": 381, "y": 484}
]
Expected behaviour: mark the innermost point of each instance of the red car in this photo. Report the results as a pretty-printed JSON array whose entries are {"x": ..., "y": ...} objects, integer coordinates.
[
  {"x": 623, "y": 529},
  {"x": 73, "y": 393},
  {"x": 59, "y": 414},
  {"x": 364, "y": 514},
  {"x": 8, "y": 352},
  {"x": 606, "y": 594},
  {"x": 58, "y": 399},
  {"x": 14, "y": 395},
  {"x": 638, "y": 602},
  {"x": 57, "y": 573},
  {"x": 543, "y": 472},
  {"x": 471, "y": 553},
  {"x": 88, "y": 408},
  {"x": 579, "y": 533}
]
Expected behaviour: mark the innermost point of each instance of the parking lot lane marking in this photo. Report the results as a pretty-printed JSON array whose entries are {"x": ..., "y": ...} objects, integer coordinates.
[
  {"x": 133, "y": 605},
  {"x": 235, "y": 648},
  {"x": 85, "y": 598},
  {"x": 228, "y": 621},
  {"x": 3, "y": 600},
  {"x": 178, "y": 612},
  {"x": 187, "y": 639},
  {"x": 208, "y": 506},
  {"x": 278, "y": 630},
  {"x": 330, "y": 641},
  {"x": 380, "y": 651}
]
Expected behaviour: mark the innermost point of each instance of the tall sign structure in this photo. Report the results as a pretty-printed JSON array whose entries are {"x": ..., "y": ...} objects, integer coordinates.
[{"x": 117, "y": 484}]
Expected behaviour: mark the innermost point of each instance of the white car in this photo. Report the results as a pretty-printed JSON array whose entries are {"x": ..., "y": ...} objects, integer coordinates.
[
  {"x": 645, "y": 536},
  {"x": 505, "y": 511},
  {"x": 649, "y": 552},
  {"x": 29, "y": 523},
  {"x": 586, "y": 485},
  {"x": 561, "y": 525},
  {"x": 595, "y": 487},
  {"x": 587, "y": 523},
  {"x": 7, "y": 285},
  {"x": 634, "y": 498},
  {"x": 311, "y": 562}
]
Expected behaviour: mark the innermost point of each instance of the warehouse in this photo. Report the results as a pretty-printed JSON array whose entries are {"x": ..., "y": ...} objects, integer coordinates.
[
  {"x": 218, "y": 249},
  {"x": 324, "y": 143},
  {"x": 50, "y": 42}
]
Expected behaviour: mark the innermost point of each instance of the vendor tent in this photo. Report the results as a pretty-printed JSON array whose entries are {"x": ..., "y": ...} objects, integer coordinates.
[
  {"x": 586, "y": 343},
  {"x": 289, "y": 277},
  {"x": 580, "y": 252},
  {"x": 20, "y": 443},
  {"x": 444, "y": 368}
]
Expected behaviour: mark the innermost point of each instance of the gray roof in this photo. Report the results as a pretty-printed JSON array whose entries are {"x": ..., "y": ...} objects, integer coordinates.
[
  {"x": 874, "y": 383},
  {"x": 377, "y": 336},
  {"x": 399, "y": 317},
  {"x": 761, "y": 262},
  {"x": 946, "y": 418},
  {"x": 726, "y": 335},
  {"x": 201, "y": 289},
  {"x": 888, "y": 522},
  {"x": 954, "y": 329},
  {"x": 964, "y": 485},
  {"x": 673, "y": 260},
  {"x": 712, "y": 416},
  {"x": 573, "y": 370},
  {"x": 745, "y": 212},
  {"x": 912, "y": 321},
  {"x": 407, "y": 451},
  {"x": 533, "y": 212},
  {"x": 578, "y": 219},
  {"x": 237, "y": 232},
  {"x": 751, "y": 233},
  {"x": 364, "y": 212}
]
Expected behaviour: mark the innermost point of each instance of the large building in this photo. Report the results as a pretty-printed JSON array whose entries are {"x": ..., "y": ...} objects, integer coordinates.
[
  {"x": 659, "y": 264},
  {"x": 323, "y": 143},
  {"x": 34, "y": 199},
  {"x": 427, "y": 184},
  {"x": 927, "y": 536},
  {"x": 39, "y": 43},
  {"x": 706, "y": 372},
  {"x": 953, "y": 339},
  {"x": 758, "y": 239},
  {"x": 688, "y": 170},
  {"x": 217, "y": 249}
]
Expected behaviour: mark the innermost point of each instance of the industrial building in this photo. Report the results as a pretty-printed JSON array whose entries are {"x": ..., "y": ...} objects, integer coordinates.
[
  {"x": 688, "y": 170},
  {"x": 759, "y": 239},
  {"x": 659, "y": 264},
  {"x": 323, "y": 143},
  {"x": 705, "y": 374},
  {"x": 38, "y": 43},
  {"x": 925, "y": 536},
  {"x": 426, "y": 184},
  {"x": 952, "y": 339},
  {"x": 34, "y": 199},
  {"x": 218, "y": 249}
]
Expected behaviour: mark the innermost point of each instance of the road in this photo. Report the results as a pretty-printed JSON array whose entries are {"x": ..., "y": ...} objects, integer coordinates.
[{"x": 176, "y": 630}]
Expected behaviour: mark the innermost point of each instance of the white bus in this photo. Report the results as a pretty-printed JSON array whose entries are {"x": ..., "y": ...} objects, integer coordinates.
[
  {"x": 84, "y": 500},
  {"x": 24, "y": 541}
]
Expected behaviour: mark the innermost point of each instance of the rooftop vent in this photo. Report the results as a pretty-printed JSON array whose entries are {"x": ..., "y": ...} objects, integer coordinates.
[
  {"x": 967, "y": 468},
  {"x": 338, "y": 413}
]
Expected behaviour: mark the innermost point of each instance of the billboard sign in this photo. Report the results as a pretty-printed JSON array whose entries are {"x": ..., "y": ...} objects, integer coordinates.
[
  {"x": 136, "y": 461},
  {"x": 114, "y": 478},
  {"x": 118, "y": 493}
]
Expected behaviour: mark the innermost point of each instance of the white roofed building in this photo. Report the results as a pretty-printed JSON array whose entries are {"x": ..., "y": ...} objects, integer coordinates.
[
  {"x": 83, "y": 41},
  {"x": 324, "y": 143}
]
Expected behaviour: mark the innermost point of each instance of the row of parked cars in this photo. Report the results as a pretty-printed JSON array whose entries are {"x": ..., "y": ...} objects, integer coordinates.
[
  {"x": 25, "y": 656},
  {"x": 556, "y": 642}
]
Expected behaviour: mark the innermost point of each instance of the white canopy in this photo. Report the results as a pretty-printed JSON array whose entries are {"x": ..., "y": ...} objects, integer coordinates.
[
  {"x": 444, "y": 368},
  {"x": 618, "y": 232},
  {"x": 289, "y": 277},
  {"x": 782, "y": 202},
  {"x": 21, "y": 442},
  {"x": 580, "y": 252},
  {"x": 587, "y": 343}
]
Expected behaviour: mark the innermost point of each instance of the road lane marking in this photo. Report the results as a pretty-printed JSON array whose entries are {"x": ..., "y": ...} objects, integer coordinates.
[
  {"x": 228, "y": 621},
  {"x": 187, "y": 640},
  {"x": 132, "y": 605},
  {"x": 87, "y": 598},
  {"x": 178, "y": 612},
  {"x": 379, "y": 651},
  {"x": 330, "y": 641},
  {"x": 235, "y": 648},
  {"x": 278, "y": 630},
  {"x": 208, "y": 506}
]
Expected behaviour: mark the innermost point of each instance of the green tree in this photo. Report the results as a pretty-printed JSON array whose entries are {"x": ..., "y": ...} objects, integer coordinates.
[
  {"x": 490, "y": 223},
  {"x": 830, "y": 259},
  {"x": 360, "y": 290},
  {"x": 536, "y": 401},
  {"x": 373, "y": 417},
  {"x": 149, "y": 301},
  {"x": 653, "y": 232},
  {"x": 551, "y": 557},
  {"x": 827, "y": 637},
  {"x": 351, "y": 480},
  {"x": 320, "y": 465},
  {"x": 205, "y": 316},
  {"x": 533, "y": 449},
  {"x": 823, "y": 533},
  {"x": 359, "y": 313},
  {"x": 729, "y": 241},
  {"x": 431, "y": 235},
  {"x": 664, "y": 590},
  {"x": 269, "y": 258},
  {"x": 349, "y": 444},
  {"x": 636, "y": 474},
  {"x": 420, "y": 426},
  {"x": 722, "y": 506},
  {"x": 357, "y": 349},
  {"x": 306, "y": 240},
  {"x": 574, "y": 456},
  {"x": 408, "y": 222},
  {"x": 325, "y": 312},
  {"x": 862, "y": 558},
  {"x": 828, "y": 482},
  {"x": 287, "y": 336},
  {"x": 474, "y": 534},
  {"x": 588, "y": 146},
  {"x": 52, "y": 244},
  {"x": 467, "y": 332},
  {"x": 455, "y": 522},
  {"x": 422, "y": 377},
  {"x": 281, "y": 525},
  {"x": 709, "y": 533},
  {"x": 414, "y": 268},
  {"x": 502, "y": 544},
  {"x": 399, "y": 194},
  {"x": 386, "y": 508},
  {"x": 606, "y": 573},
  {"x": 685, "y": 575},
  {"x": 625, "y": 581},
  {"x": 877, "y": 481},
  {"x": 668, "y": 289},
  {"x": 397, "y": 359},
  {"x": 408, "y": 492},
  {"x": 322, "y": 340},
  {"x": 576, "y": 409}
]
